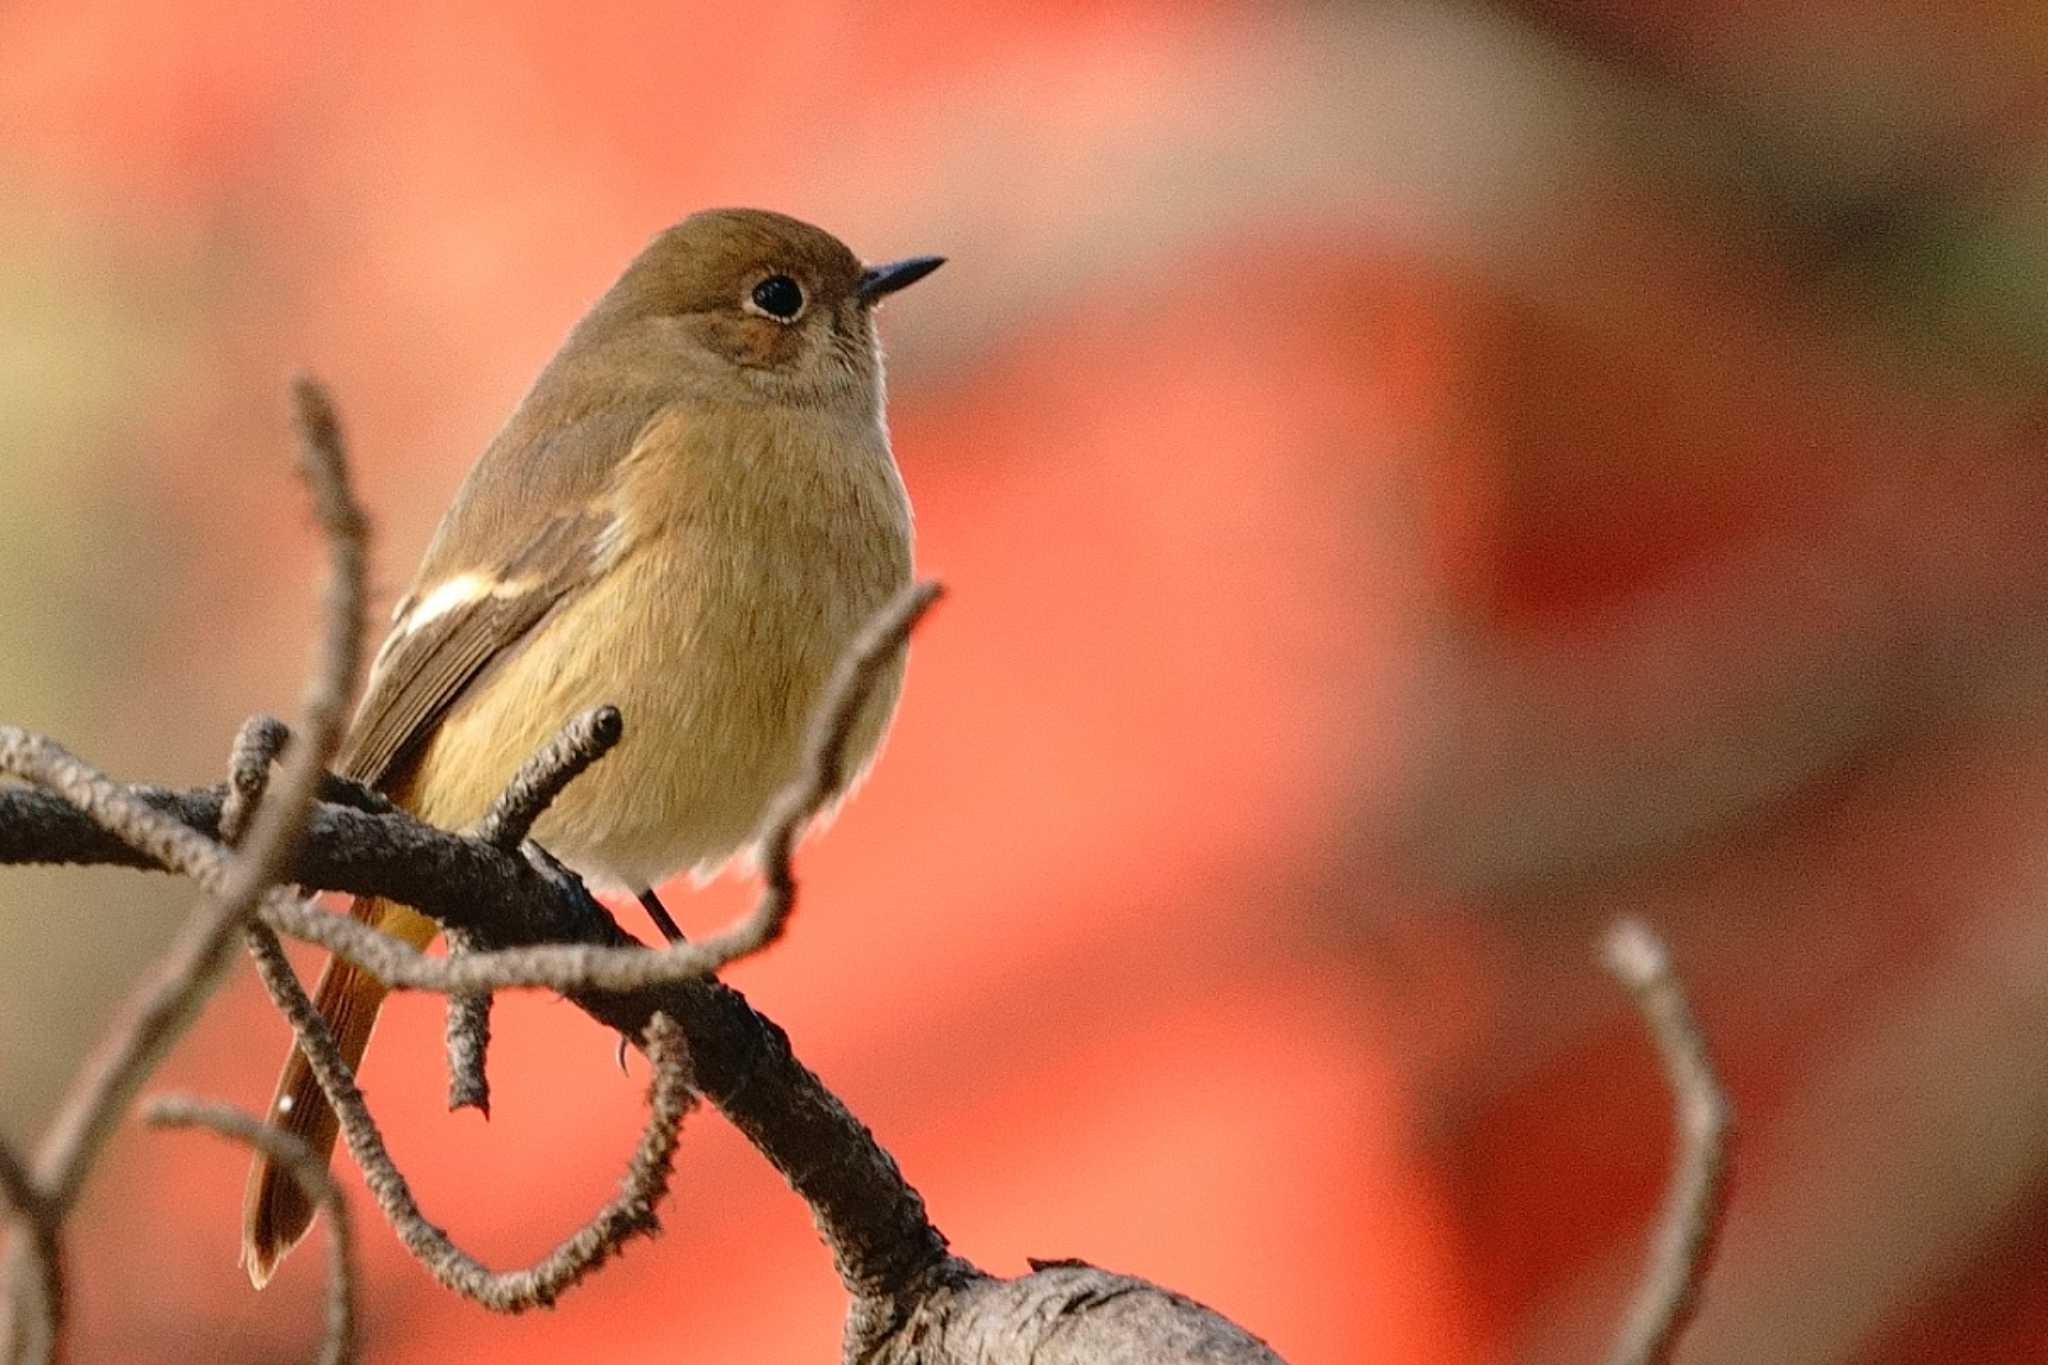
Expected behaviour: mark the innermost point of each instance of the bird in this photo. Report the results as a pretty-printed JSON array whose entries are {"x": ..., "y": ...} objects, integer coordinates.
[{"x": 689, "y": 515}]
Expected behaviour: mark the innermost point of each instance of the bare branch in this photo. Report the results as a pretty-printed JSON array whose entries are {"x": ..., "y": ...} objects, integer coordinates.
[
  {"x": 534, "y": 923},
  {"x": 339, "y": 1340},
  {"x": 1063, "y": 1313},
  {"x": 584, "y": 740},
  {"x": 628, "y": 1213},
  {"x": 1696, "y": 1201},
  {"x": 119, "y": 810},
  {"x": 169, "y": 998},
  {"x": 884, "y": 1246},
  {"x": 874, "y": 1222},
  {"x": 35, "y": 1266},
  {"x": 561, "y": 967},
  {"x": 468, "y": 1038},
  {"x": 257, "y": 745}
]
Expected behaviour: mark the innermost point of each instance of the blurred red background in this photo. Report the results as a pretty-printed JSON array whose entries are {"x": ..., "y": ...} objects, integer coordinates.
[{"x": 1417, "y": 481}]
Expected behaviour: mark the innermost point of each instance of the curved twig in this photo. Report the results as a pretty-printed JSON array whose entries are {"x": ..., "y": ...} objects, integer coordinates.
[
  {"x": 170, "y": 995},
  {"x": 1696, "y": 1201},
  {"x": 628, "y": 1213},
  {"x": 824, "y": 771},
  {"x": 338, "y": 1341},
  {"x": 169, "y": 999}
]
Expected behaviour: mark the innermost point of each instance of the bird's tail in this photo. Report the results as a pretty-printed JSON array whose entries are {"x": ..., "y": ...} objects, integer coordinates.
[{"x": 275, "y": 1211}]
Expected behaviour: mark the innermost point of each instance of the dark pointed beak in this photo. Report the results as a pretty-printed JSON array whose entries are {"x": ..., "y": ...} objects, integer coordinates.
[{"x": 879, "y": 280}]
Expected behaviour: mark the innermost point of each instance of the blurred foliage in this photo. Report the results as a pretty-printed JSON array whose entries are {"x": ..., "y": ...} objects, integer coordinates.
[{"x": 92, "y": 342}]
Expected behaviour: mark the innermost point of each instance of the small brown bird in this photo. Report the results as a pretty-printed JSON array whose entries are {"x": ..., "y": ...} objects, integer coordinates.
[{"x": 689, "y": 516}]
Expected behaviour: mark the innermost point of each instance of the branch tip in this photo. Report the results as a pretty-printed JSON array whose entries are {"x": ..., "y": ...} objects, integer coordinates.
[
  {"x": 1635, "y": 955},
  {"x": 468, "y": 1037},
  {"x": 584, "y": 739},
  {"x": 1695, "y": 1201}
]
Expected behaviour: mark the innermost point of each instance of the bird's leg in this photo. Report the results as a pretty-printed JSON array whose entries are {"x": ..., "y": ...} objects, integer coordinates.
[{"x": 658, "y": 912}]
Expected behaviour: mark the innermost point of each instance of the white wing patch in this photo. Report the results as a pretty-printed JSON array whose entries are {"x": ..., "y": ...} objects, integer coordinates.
[{"x": 450, "y": 594}]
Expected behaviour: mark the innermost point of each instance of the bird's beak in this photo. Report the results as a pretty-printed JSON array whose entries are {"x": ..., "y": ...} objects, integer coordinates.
[{"x": 879, "y": 280}]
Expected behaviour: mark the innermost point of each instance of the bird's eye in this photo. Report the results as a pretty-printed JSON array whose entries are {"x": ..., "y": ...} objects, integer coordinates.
[{"x": 778, "y": 296}]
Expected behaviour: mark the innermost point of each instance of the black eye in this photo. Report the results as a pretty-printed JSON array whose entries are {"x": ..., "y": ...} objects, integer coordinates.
[{"x": 780, "y": 297}]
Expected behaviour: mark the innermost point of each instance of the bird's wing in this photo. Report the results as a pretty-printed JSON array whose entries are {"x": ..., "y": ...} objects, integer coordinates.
[{"x": 521, "y": 540}]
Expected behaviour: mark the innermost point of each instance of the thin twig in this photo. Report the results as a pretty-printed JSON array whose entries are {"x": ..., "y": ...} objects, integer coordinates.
[
  {"x": 468, "y": 1038},
  {"x": 118, "y": 809},
  {"x": 169, "y": 998},
  {"x": 628, "y": 1213},
  {"x": 584, "y": 740},
  {"x": 35, "y": 1266},
  {"x": 1696, "y": 1200},
  {"x": 338, "y": 1343},
  {"x": 824, "y": 773},
  {"x": 323, "y": 462},
  {"x": 550, "y": 966},
  {"x": 257, "y": 745}
]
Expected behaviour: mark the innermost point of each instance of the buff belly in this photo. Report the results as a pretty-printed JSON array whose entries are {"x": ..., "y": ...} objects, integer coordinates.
[{"x": 716, "y": 696}]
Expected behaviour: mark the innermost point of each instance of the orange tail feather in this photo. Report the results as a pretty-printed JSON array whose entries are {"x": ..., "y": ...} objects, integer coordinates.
[{"x": 275, "y": 1211}]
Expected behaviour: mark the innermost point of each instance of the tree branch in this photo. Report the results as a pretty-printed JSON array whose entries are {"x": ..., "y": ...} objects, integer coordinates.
[
  {"x": 1683, "y": 1244},
  {"x": 1069, "y": 1313},
  {"x": 468, "y": 1038},
  {"x": 35, "y": 1265},
  {"x": 584, "y": 740},
  {"x": 525, "y": 920},
  {"x": 171, "y": 994},
  {"x": 628, "y": 1213}
]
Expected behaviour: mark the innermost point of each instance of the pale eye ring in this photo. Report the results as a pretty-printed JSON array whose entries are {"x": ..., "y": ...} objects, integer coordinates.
[{"x": 778, "y": 297}]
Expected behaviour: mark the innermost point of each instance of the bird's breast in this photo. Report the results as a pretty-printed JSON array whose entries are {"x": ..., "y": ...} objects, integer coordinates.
[{"x": 748, "y": 549}]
